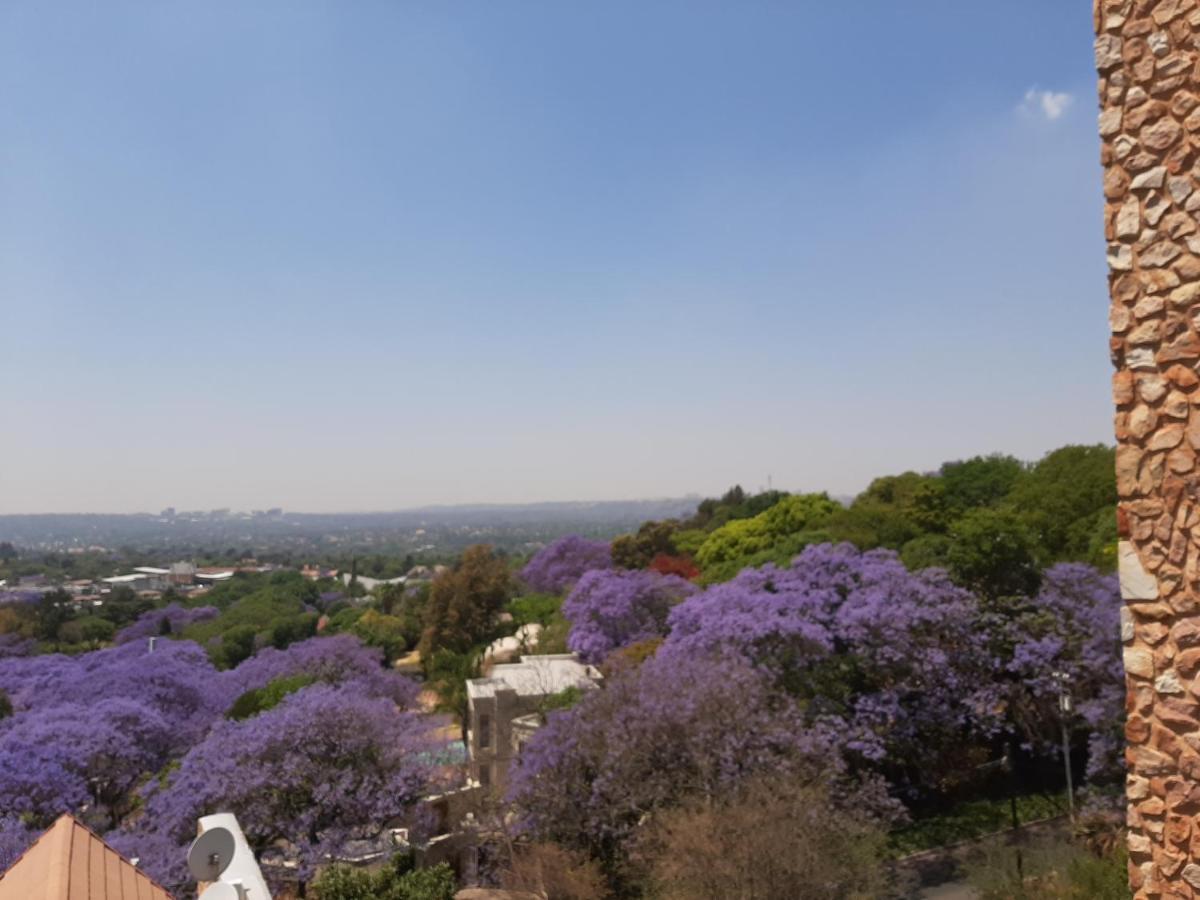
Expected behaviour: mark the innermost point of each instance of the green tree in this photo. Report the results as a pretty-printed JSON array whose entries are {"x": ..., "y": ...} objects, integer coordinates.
[
  {"x": 926, "y": 551},
  {"x": 382, "y": 631},
  {"x": 391, "y": 596},
  {"x": 447, "y": 672},
  {"x": 257, "y": 700},
  {"x": 123, "y": 605},
  {"x": 535, "y": 609},
  {"x": 978, "y": 481},
  {"x": 236, "y": 644},
  {"x": 778, "y": 532},
  {"x": 54, "y": 610},
  {"x": 635, "y": 551},
  {"x": 1062, "y": 496},
  {"x": 87, "y": 630},
  {"x": 465, "y": 601},
  {"x": 734, "y": 504},
  {"x": 993, "y": 553}
]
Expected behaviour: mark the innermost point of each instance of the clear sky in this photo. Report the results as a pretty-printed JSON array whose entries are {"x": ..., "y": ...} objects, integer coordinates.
[{"x": 367, "y": 255}]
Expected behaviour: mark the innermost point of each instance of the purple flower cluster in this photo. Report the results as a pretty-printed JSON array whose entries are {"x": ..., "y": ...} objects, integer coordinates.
[
  {"x": 658, "y": 733},
  {"x": 613, "y": 608},
  {"x": 1072, "y": 627},
  {"x": 86, "y": 730},
  {"x": 15, "y": 645},
  {"x": 15, "y": 836},
  {"x": 20, "y": 596},
  {"x": 170, "y": 620},
  {"x": 176, "y": 680},
  {"x": 325, "y": 767},
  {"x": 557, "y": 566},
  {"x": 891, "y": 659},
  {"x": 72, "y": 755},
  {"x": 340, "y": 659}
]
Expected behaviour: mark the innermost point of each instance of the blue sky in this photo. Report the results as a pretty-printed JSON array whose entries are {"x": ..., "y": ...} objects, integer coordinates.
[{"x": 350, "y": 256}]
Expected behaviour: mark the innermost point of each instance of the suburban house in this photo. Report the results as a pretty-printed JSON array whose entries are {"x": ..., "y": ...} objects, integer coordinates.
[{"x": 505, "y": 708}]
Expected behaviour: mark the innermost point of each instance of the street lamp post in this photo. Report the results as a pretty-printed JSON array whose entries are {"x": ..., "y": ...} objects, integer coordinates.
[{"x": 1065, "y": 706}]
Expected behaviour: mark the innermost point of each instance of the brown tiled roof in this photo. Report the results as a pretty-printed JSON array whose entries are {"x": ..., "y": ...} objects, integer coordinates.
[{"x": 70, "y": 862}]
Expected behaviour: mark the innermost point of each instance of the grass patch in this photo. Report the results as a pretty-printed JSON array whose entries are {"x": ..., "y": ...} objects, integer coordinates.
[{"x": 972, "y": 819}]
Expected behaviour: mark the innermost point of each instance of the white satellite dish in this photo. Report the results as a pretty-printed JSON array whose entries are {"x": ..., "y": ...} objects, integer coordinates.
[
  {"x": 221, "y": 890},
  {"x": 210, "y": 855}
]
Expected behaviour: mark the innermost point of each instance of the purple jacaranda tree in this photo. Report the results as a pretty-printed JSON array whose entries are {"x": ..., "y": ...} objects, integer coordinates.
[
  {"x": 659, "y": 733},
  {"x": 16, "y": 645},
  {"x": 176, "y": 680},
  {"x": 75, "y": 755},
  {"x": 613, "y": 608},
  {"x": 324, "y": 767},
  {"x": 15, "y": 838},
  {"x": 338, "y": 659},
  {"x": 1072, "y": 626},
  {"x": 560, "y": 564},
  {"x": 893, "y": 661},
  {"x": 170, "y": 620},
  {"x": 20, "y": 596}
]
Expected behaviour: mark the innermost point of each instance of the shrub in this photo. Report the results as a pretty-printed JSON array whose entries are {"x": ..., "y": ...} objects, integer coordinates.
[
  {"x": 394, "y": 882},
  {"x": 811, "y": 849},
  {"x": 261, "y": 699}
]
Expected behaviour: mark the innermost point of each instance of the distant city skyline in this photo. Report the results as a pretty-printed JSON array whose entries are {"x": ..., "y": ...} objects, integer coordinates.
[{"x": 382, "y": 256}]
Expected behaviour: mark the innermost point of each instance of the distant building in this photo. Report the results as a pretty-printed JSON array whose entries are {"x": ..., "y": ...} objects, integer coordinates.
[
  {"x": 369, "y": 584},
  {"x": 182, "y": 574},
  {"x": 213, "y": 574},
  {"x": 154, "y": 580},
  {"x": 504, "y": 709},
  {"x": 315, "y": 573}
]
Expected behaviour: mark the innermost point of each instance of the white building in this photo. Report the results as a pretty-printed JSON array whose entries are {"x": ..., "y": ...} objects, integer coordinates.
[{"x": 505, "y": 708}]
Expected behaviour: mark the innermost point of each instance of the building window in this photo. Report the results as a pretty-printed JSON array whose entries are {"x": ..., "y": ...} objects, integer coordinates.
[{"x": 485, "y": 731}]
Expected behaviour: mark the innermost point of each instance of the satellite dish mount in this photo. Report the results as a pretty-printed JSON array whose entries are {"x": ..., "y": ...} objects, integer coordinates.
[{"x": 210, "y": 854}]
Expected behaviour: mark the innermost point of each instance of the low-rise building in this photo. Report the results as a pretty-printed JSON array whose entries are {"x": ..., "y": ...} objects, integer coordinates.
[
  {"x": 505, "y": 708},
  {"x": 136, "y": 581},
  {"x": 182, "y": 573}
]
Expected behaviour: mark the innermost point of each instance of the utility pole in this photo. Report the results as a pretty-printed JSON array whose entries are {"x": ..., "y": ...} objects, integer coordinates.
[{"x": 1065, "y": 706}]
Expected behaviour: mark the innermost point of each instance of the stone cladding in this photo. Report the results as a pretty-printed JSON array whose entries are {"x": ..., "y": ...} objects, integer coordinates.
[{"x": 1148, "y": 58}]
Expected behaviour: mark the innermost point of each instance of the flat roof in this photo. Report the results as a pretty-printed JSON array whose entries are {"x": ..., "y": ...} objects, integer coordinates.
[
  {"x": 536, "y": 675},
  {"x": 213, "y": 576}
]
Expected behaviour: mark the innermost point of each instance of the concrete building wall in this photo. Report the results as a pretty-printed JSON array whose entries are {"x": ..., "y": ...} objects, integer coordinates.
[{"x": 492, "y": 746}]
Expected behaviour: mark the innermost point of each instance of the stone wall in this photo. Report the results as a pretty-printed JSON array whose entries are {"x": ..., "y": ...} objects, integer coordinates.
[{"x": 1148, "y": 57}]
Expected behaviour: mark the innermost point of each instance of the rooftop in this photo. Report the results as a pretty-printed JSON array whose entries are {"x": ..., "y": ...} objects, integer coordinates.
[
  {"x": 124, "y": 579},
  {"x": 70, "y": 862},
  {"x": 535, "y": 675}
]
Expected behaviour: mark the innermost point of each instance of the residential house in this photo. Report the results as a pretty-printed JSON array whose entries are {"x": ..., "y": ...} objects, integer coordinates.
[{"x": 505, "y": 708}]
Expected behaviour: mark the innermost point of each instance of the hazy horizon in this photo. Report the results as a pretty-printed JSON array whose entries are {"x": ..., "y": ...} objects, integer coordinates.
[{"x": 376, "y": 257}]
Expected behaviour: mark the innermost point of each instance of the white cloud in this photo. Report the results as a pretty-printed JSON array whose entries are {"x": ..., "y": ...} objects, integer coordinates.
[{"x": 1051, "y": 104}]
